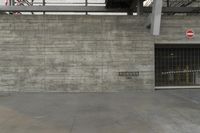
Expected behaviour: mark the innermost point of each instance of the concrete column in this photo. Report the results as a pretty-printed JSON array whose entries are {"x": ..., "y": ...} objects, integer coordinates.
[{"x": 156, "y": 17}]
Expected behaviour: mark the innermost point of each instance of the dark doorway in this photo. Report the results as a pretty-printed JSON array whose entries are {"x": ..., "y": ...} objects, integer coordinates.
[{"x": 177, "y": 65}]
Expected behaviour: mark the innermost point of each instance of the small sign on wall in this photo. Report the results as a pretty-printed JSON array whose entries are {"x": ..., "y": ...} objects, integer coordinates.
[
  {"x": 129, "y": 75},
  {"x": 189, "y": 33}
]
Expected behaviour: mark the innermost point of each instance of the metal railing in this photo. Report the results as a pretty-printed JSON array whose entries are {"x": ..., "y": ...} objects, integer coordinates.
[
  {"x": 54, "y": 2},
  {"x": 90, "y": 6},
  {"x": 176, "y": 3},
  {"x": 182, "y": 3}
]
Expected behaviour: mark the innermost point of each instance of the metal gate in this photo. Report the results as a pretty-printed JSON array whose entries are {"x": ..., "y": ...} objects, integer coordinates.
[{"x": 177, "y": 65}]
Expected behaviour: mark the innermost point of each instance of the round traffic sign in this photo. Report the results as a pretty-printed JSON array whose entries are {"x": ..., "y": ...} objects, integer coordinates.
[{"x": 190, "y": 33}]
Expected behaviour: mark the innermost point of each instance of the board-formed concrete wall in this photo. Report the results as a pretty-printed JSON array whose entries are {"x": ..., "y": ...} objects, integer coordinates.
[
  {"x": 173, "y": 30},
  {"x": 81, "y": 53}
]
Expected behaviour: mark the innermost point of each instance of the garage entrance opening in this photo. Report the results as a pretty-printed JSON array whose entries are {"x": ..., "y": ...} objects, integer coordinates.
[{"x": 177, "y": 65}]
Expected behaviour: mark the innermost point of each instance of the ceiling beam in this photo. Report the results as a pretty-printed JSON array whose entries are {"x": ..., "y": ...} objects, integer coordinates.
[
  {"x": 92, "y": 9},
  {"x": 59, "y": 9}
]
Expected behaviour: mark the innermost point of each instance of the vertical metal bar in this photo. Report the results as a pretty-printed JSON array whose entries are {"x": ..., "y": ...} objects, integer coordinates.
[
  {"x": 159, "y": 71},
  {"x": 180, "y": 67},
  {"x": 190, "y": 65},
  {"x": 172, "y": 65},
  {"x": 168, "y": 3},
  {"x": 43, "y": 4},
  {"x": 159, "y": 66},
  {"x": 32, "y": 1},
  {"x": 12, "y": 2},
  {"x": 9, "y": 3},
  {"x": 175, "y": 66},
  {"x": 184, "y": 64},
  {"x": 166, "y": 50},
  {"x": 163, "y": 56},
  {"x": 139, "y": 7},
  {"x": 194, "y": 68},
  {"x": 158, "y": 63},
  {"x": 187, "y": 58},
  {"x": 168, "y": 66},
  {"x": 198, "y": 63},
  {"x": 86, "y": 4},
  {"x": 130, "y": 13},
  {"x": 156, "y": 66},
  {"x": 165, "y": 68}
]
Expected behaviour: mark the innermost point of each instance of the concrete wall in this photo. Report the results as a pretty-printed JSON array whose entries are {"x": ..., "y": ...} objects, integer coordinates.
[
  {"x": 173, "y": 30},
  {"x": 82, "y": 53}
]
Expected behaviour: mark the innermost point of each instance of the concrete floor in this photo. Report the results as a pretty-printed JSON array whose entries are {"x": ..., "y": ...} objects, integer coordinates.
[{"x": 171, "y": 111}]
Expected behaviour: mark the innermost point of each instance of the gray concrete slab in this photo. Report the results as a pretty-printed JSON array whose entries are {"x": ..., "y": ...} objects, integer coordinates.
[{"x": 167, "y": 111}]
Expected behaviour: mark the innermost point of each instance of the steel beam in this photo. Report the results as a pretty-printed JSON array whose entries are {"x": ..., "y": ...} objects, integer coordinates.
[
  {"x": 181, "y": 9},
  {"x": 174, "y": 10},
  {"x": 156, "y": 17},
  {"x": 58, "y": 9},
  {"x": 92, "y": 9}
]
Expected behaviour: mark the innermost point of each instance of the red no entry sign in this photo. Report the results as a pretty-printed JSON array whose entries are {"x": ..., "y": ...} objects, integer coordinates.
[{"x": 190, "y": 33}]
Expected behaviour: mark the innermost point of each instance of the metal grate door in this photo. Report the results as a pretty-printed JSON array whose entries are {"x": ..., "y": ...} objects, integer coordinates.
[{"x": 177, "y": 65}]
